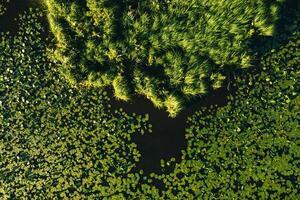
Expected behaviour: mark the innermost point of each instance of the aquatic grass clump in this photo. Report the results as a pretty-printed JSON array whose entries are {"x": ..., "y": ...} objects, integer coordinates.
[
  {"x": 182, "y": 47},
  {"x": 173, "y": 104},
  {"x": 121, "y": 88}
]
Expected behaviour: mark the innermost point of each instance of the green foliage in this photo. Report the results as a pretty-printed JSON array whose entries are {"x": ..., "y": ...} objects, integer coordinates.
[
  {"x": 249, "y": 149},
  {"x": 56, "y": 141},
  {"x": 121, "y": 88},
  {"x": 3, "y": 6},
  {"x": 178, "y": 44},
  {"x": 65, "y": 142},
  {"x": 173, "y": 104}
]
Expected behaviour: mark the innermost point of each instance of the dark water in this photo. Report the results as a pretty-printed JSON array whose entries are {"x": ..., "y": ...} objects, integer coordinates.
[
  {"x": 168, "y": 136},
  {"x": 15, "y": 7}
]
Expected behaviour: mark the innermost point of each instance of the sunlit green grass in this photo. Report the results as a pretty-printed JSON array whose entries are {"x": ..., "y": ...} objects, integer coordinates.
[{"x": 183, "y": 47}]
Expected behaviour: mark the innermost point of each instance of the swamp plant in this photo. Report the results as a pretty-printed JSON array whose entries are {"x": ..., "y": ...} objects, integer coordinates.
[{"x": 159, "y": 49}]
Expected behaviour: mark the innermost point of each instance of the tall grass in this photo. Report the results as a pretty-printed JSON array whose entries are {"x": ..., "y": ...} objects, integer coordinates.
[{"x": 182, "y": 46}]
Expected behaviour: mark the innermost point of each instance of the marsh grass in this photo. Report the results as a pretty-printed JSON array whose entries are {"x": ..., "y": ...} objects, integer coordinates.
[{"x": 189, "y": 42}]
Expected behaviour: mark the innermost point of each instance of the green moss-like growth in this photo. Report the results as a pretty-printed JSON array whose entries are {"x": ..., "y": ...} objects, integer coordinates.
[{"x": 179, "y": 45}]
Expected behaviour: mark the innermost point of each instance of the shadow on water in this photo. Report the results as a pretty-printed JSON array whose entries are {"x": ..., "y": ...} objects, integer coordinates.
[
  {"x": 167, "y": 139},
  {"x": 289, "y": 13},
  {"x": 8, "y": 20}
]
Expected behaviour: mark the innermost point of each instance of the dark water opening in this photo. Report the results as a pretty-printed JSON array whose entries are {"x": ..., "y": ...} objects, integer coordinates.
[
  {"x": 8, "y": 20},
  {"x": 168, "y": 137}
]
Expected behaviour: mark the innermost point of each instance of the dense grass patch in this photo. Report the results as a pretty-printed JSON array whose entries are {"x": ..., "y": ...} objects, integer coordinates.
[{"x": 165, "y": 50}]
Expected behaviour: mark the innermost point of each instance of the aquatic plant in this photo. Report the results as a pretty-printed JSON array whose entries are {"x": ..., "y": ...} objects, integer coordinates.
[
  {"x": 3, "y": 6},
  {"x": 182, "y": 47},
  {"x": 61, "y": 141},
  {"x": 249, "y": 149},
  {"x": 58, "y": 141}
]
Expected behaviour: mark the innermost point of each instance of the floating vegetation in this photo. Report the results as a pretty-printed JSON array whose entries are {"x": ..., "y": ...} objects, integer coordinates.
[
  {"x": 3, "y": 6},
  {"x": 58, "y": 141},
  {"x": 249, "y": 149},
  {"x": 62, "y": 141},
  {"x": 160, "y": 47}
]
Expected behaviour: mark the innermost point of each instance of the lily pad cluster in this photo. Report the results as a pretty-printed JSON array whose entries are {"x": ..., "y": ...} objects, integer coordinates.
[
  {"x": 58, "y": 141},
  {"x": 168, "y": 51},
  {"x": 249, "y": 149}
]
